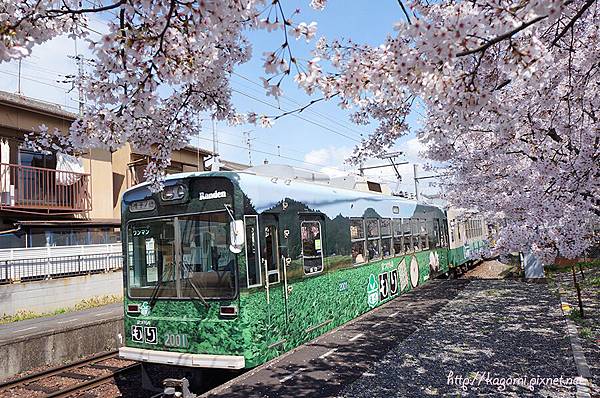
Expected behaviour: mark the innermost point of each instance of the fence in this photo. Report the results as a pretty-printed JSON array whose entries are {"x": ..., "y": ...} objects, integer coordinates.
[
  {"x": 57, "y": 251},
  {"x": 25, "y": 187},
  {"x": 32, "y": 269}
]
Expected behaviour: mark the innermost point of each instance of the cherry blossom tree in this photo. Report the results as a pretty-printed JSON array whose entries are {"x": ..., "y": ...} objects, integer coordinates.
[
  {"x": 511, "y": 92},
  {"x": 509, "y": 87}
]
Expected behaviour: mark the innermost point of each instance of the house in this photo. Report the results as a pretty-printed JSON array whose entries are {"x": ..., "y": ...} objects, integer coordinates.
[{"x": 50, "y": 199}]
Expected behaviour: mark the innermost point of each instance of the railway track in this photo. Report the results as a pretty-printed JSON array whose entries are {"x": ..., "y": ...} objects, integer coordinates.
[{"x": 68, "y": 380}]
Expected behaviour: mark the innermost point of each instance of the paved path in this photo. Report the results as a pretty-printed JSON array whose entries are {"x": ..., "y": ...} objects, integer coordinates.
[
  {"x": 47, "y": 325},
  {"x": 492, "y": 331}
]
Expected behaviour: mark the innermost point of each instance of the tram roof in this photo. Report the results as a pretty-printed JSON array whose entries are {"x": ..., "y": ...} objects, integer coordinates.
[{"x": 251, "y": 183}]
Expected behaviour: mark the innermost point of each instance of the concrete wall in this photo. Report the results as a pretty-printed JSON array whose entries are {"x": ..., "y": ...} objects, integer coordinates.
[
  {"x": 58, "y": 348},
  {"x": 50, "y": 295}
]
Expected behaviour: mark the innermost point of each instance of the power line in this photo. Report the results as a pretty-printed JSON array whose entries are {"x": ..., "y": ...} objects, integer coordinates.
[
  {"x": 296, "y": 115},
  {"x": 265, "y": 153},
  {"x": 34, "y": 80},
  {"x": 296, "y": 102}
]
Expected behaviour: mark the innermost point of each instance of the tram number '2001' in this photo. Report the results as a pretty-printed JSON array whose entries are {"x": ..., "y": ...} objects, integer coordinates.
[{"x": 176, "y": 340}]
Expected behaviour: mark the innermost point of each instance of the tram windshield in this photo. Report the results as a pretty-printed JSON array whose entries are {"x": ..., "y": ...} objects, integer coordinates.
[{"x": 181, "y": 257}]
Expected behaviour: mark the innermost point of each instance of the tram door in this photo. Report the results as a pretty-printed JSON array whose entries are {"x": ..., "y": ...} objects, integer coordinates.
[
  {"x": 271, "y": 264},
  {"x": 305, "y": 293}
]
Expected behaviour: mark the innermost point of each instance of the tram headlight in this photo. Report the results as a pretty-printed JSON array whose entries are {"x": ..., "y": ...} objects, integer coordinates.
[{"x": 173, "y": 192}]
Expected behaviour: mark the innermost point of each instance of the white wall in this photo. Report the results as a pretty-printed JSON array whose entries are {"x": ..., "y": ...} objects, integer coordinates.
[{"x": 50, "y": 295}]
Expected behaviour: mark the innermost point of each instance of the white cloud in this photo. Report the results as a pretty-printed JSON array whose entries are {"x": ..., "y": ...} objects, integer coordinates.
[{"x": 331, "y": 156}]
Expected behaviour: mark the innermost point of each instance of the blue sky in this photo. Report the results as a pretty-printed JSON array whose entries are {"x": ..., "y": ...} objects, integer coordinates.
[{"x": 311, "y": 138}]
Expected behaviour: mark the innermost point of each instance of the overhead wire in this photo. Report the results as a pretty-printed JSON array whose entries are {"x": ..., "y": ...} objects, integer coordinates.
[
  {"x": 296, "y": 102},
  {"x": 295, "y": 115},
  {"x": 266, "y": 153}
]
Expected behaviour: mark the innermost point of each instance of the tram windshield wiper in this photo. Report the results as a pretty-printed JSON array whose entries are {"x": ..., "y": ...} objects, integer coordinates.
[
  {"x": 194, "y": 287},
  {"x": 154, "y": 295}
]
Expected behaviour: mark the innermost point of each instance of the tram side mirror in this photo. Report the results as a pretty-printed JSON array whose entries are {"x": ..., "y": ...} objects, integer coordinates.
[{"x": 236, "y": 231}]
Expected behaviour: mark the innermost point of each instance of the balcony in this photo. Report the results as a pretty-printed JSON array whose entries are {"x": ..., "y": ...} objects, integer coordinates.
[{"x": 38, "y": 190}]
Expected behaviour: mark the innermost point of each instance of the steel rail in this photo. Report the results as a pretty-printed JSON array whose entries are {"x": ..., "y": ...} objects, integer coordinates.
[
  {"x": 89, "y": 384},
  {"x": 7, "y": 385}
]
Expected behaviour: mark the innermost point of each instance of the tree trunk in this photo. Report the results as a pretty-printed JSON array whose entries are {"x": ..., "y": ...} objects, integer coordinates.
[{"x": 578, "y": 289}]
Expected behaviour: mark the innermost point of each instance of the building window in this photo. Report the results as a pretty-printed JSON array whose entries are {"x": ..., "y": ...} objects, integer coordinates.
[
  {"x": 312, "y": 249},
  {"x": 357, "y": 237},
  {"x": 253, "y": 274},
  {"x": 386, "y": 237},
  {"x": 373, "y": 239}
]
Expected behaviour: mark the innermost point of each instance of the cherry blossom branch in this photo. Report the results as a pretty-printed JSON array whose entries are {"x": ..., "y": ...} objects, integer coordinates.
[
  {"x": 502, "y": 37},
  {"x": 405, "y": 12},
  {"x": 68, "y": 10},
  {"x": 573, "y": 20}
]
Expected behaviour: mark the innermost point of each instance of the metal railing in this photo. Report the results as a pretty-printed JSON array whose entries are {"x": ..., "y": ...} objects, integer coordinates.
[
  {"x": 25, "y": 187},
  {"x": 35, "y": 269}
]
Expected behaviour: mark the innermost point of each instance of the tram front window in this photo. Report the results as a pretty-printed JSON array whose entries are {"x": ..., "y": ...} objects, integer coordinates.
[{"x": 180, "y": 257}]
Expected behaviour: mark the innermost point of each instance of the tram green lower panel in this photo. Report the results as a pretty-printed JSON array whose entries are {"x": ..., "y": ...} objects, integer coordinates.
[
  {"x": 274, "y": 321},
  {"x": 320, "y": 303}
]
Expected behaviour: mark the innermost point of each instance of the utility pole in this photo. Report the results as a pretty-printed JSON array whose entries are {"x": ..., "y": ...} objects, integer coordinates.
[
  {"x": 249, "y": 143},
  {"x": 80, "y": 75},
  {"x": 80, "y": 82},
  {"x": 216, "y": 163},
  {"x": 19, "y": 79},
  {"x": 415, "y": 166}
]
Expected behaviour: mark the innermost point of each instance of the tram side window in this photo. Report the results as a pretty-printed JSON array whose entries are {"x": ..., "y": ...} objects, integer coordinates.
[
  {"x": 406, "y": 232},
  {"x": 436, "y": 233},
  {"x": 397, "y": 229},
  {"x": 386, "y": 236},
  {"x": 252, "y": 258},
  {"x": 423, "y": 234},
  {"x": 414, "y": 222},
  {"x": 312, "y": 250},
  {"x": 357, "y": 237},
  {"x": 269, "y": 255},
  {"x": 373, "y": 241},
  {"x": 444, "y": 233}
]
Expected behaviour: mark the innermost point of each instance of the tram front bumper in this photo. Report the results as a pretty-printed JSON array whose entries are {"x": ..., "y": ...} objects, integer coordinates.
[{"x": 183, "y": 359}]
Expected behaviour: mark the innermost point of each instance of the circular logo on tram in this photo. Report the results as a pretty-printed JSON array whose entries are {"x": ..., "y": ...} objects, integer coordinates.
[
  {"x": 145, "y": 309},
  {"x": 414, "y": 272}
]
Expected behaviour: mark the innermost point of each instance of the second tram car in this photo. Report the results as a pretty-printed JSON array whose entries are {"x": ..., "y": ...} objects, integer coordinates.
[{"x": 231, "y": 269}]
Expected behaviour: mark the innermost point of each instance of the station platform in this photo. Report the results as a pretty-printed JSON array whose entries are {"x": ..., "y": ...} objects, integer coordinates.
[
  {"x": 54, "y": 340},
  {"x": 28, "y": 328},
  {"x": 461, "y": 337}
]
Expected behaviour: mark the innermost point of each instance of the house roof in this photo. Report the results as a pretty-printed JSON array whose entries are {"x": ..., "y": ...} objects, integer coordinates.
[{"x": 30, "y": 104}]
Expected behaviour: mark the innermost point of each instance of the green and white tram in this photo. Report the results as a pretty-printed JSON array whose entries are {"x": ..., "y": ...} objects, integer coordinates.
[{"x": 231, "y": 269}]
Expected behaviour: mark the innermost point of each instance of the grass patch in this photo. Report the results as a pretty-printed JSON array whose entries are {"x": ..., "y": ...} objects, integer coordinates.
[
  {"x": 586, "y": 333},
  {"x": 592, "y": 281},
  {"x": 82, "y": 305},
  {"x": 582, "y": 323}
]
